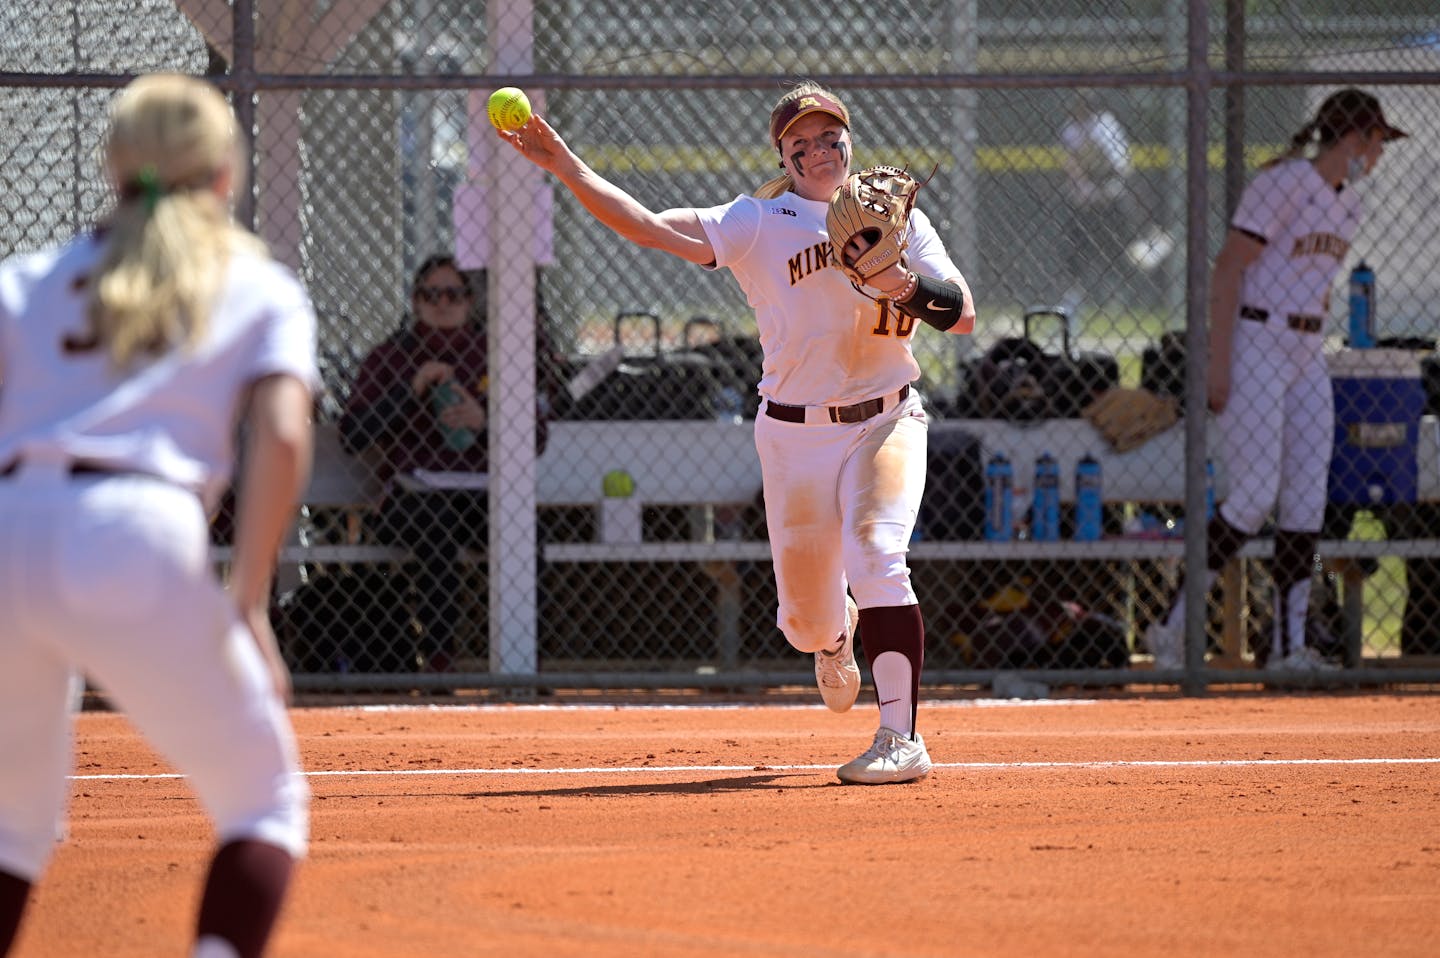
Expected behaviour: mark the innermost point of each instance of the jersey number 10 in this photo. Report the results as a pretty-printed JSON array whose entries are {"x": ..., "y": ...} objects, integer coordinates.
[{"x": 884, "y": 312}]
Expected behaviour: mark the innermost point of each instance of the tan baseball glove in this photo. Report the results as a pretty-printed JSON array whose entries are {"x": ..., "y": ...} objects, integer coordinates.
[
  {"x": 867, "y": 221},
  {"x": 1131, "y": 417}
]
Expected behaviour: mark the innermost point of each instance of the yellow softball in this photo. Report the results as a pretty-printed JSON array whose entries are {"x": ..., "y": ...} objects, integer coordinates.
[
  {"x": 617, "y": 483},
  {"x": 509, "y": 108}
]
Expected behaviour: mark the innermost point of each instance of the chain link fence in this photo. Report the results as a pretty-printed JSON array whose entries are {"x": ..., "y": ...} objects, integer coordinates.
[{"x": 591, "y": 516}]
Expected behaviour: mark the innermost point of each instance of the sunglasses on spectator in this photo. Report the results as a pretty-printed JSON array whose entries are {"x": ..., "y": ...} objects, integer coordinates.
[{"x": 439, "y": 294}]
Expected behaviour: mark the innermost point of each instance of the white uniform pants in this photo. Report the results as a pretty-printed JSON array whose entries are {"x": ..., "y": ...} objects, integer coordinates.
[
  {"x": 840, "y": 503},
  {"x": 1278, "y": 428},
  {"x": 111, "y": 577}
]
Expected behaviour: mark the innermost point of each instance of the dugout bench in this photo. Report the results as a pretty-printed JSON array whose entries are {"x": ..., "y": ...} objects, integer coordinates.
[{"x": 710, "y": 466}]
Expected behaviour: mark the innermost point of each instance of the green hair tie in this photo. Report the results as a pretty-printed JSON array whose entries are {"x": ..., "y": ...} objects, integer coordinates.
[{"x": 148, "y": 179}]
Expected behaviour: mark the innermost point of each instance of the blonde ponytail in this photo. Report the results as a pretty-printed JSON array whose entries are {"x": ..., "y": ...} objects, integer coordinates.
[
  {"x": 172, "y": 145},
  {"x": 776, "y": 187}
]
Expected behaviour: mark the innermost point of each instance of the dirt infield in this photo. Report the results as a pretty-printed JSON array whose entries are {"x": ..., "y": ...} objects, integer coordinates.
[{"x": 1272, "y": 825}]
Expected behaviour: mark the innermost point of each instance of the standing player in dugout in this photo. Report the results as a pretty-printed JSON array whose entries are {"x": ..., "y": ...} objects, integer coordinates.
[
  {"x": 128, "y": 354},
  {"x": 1268, "y": 381},
  {"x": 841, "y": 434}
]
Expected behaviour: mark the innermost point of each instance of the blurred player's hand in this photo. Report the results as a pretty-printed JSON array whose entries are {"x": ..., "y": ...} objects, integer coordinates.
[
  {"x": 257, "y": 622},
  {"x": 431, "y": 373},
  {"x": 1217, "y": 387}
]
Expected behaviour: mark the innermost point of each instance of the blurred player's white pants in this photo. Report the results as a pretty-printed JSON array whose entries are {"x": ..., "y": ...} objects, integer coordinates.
[
  {"x": 110, "y": 576},
  {"x": 840, "y": 504},
  {"x": 1278, "y": 427}
]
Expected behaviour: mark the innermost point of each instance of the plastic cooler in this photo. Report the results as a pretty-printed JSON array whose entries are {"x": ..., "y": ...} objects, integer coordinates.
[{"x": 1379, "y": 400}]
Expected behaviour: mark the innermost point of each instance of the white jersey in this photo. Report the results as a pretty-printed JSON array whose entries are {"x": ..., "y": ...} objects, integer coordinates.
[
  {"x": 1306, "y": 225},
  {"x": 172, "y": 417},
  {"x": 825, "y": 344}
]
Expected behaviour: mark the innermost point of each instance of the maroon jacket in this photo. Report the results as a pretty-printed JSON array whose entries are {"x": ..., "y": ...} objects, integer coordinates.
[{"x": 382, "y": 408}]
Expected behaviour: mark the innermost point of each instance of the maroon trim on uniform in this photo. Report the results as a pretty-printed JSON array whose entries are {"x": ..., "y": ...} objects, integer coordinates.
[
  {"x": 14, "y": 894},
  {"x": 895, "y": 628},
  {"x": 243, "y": 895},
  {"x": 1252, "y": 234},
  {"x": 1222, "y": 542}
]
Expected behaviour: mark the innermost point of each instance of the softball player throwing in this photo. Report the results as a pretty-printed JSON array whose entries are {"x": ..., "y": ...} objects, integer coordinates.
[
  {"x": 128, "y": 355},
  {"x": 841, "y": 435},
  {"x": 1268, "y": 381}
]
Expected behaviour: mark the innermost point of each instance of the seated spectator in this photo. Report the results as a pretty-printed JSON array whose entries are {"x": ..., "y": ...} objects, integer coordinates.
[{"x": 420, "y": 399}]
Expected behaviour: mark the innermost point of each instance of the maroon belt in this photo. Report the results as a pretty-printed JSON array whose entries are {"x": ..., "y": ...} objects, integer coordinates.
[
  {"x": 1296, "y": 321},
  {"x": 859, "y": 412},
  {"x": 75, "y": 469}
]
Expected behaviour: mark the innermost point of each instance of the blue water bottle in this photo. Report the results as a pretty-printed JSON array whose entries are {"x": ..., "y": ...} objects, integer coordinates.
[
  {"x": 1045, "y": 506},
  {"x": 999, "y": 505},
  {"x": 1362, "y": 307},
  {"x": 1209, "y": 490},
  {"x": 1089, "y": 520}
]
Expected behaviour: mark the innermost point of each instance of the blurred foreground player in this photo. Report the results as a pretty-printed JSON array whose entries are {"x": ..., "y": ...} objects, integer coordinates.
[{"x": 128, "y": 356}]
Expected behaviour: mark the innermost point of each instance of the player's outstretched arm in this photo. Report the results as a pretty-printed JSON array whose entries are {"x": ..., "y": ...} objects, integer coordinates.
[
  {"x": 278, "y": 454},
  {"x": 674, "y": 231}
]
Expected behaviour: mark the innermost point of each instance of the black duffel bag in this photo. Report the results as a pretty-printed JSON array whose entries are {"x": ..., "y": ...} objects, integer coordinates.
[
  {"x": 739, "y": 362},
  {"x": 1018, "y": 379},
  {"x": 653, "y": 384}
]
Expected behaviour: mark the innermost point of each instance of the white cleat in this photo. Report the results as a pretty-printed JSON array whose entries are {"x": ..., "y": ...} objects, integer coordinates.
[
  {"x": 1303, "y": 659},
  {"x": 836, "y": 672},
  {"x": 891, "y": 758},
  {"x": 1166, "y": 645}
]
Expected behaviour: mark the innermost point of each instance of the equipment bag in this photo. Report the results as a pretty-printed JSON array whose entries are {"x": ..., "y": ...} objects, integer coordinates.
[
  {"x": 739, "y": 362},
  {"x": 1018, "y": 379},
  {"x": 653, "y": 383},
  {"x": 1051, "y": 635},
  {"x": 1429, "y": 365},
  {"x": 348, "y": 620},
  {"x": 951, "y": 510},
  {"x": 1162, "y": 366}
]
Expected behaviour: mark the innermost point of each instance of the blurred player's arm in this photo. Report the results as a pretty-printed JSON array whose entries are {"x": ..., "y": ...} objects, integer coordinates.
[
  {"x": 278, "y": 454},
  {"x": 1239, "y": 251}
]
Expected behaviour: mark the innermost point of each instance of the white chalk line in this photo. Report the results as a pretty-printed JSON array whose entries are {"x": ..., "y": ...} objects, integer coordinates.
[
  {"x": 692, "y": 706},
  {"x": 693, "y": 769}
]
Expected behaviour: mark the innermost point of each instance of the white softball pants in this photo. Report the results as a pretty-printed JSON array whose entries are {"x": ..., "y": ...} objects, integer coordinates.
[
  {"x": 841, "y": 500},
  {"x": 111, "y": 577},
  {"x": 1278, "y": 428}
]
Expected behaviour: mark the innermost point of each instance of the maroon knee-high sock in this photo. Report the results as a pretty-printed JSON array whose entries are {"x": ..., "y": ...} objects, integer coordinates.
[
  {"x": 14, "y": 892},
  {"x": 895, "y": 628},
  {"x": 243, "y": 894}
]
